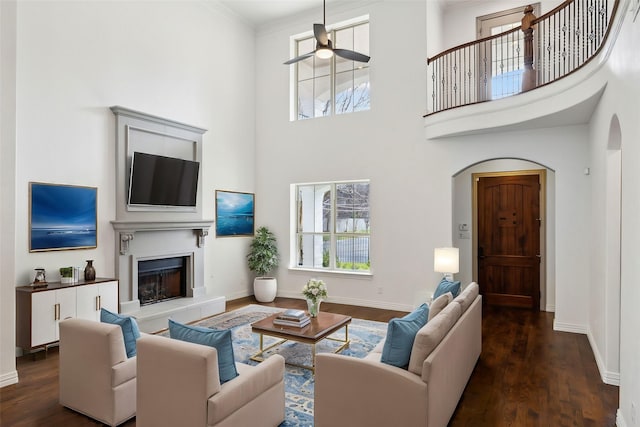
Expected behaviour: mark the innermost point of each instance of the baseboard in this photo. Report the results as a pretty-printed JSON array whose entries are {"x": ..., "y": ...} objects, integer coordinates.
[
  {"x": 238, "y": 295},
  {"x": 620, "y": 419},
  {"x": 550, "y": 308},
  {"x": 608, "y": 377},
  {"x": 354, "y": 301},
  {"x": 569, "y": 327},
  {"x": 8, "y": 378}
]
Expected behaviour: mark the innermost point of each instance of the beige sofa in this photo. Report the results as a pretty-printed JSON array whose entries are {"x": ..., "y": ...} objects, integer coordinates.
[
  {"x": 179, "y": 385},
  {"x": 96, "y": 378},
  {"x": 366, "y": 392}
]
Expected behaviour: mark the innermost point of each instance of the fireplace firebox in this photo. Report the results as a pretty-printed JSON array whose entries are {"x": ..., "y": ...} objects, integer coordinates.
[{"x": 161, "y": 279}]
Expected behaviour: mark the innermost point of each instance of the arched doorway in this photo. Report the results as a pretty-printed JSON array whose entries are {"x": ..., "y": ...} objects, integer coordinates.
[
  {"x": 464, "y": 227},
  {"x": 613, "y": 252}
]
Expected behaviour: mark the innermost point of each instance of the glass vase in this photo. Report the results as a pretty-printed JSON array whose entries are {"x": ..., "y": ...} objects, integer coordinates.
[{"x": 314, "y": 307}]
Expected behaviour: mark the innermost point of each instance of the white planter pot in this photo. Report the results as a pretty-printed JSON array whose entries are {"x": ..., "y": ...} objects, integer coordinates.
[{"x": 265, "y": 288}]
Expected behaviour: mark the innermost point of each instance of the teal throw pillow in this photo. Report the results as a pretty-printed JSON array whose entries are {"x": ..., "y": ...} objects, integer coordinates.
[
  {"x": 129, "y": 326},
  {"x": 446, "y": 286},
  {"x": 400, "y": 336},
  {"x": 220, "y": 339}
]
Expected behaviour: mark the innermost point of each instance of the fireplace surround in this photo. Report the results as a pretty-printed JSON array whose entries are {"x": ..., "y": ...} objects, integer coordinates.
[
  {"x": 158, "y": 233},
  {"x": 146, "y": 241}
]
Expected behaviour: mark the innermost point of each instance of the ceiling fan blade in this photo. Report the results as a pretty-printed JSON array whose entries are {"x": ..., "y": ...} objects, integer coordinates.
[
  {"x": 320, "y": 32},
  {"x": 352, "y": 55},
  {"x": 299, "y": 58}
]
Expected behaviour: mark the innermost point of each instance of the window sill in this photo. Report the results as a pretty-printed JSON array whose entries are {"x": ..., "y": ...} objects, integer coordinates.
[{"x": 332, "y": 272}]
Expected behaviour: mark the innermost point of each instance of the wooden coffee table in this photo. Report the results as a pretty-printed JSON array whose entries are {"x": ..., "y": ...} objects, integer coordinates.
[{"x": 320, "y": 328}]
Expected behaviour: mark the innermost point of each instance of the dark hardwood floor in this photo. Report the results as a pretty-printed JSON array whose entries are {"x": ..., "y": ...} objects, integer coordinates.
[{"x": 527, "y": 375}]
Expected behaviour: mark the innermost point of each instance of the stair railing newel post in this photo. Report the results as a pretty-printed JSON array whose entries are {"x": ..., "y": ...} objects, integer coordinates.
[{"x": 529, "y": 75}]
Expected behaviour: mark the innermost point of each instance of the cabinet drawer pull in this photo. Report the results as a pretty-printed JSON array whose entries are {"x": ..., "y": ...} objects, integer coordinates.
[
  {"x": 99, "y": 302},
  {"x": 56, "y": 312}
]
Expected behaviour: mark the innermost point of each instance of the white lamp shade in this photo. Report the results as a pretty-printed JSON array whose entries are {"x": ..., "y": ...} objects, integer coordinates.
[{"x": 446, "y": 260}]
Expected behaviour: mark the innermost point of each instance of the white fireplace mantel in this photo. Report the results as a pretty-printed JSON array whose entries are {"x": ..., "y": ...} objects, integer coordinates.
[{"x": 127, "y": 229}]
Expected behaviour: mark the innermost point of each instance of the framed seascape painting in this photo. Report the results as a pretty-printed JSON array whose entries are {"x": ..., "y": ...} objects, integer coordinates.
[
  {"x": 235, "y": 213},
  {"x": 62, "y": 217}
]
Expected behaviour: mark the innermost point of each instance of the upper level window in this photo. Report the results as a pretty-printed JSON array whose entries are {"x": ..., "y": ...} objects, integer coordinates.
[
  {"x": 332, "y": 226},
  {"x": 335, "y": 85},
  {"x": 505, "y": 58}
]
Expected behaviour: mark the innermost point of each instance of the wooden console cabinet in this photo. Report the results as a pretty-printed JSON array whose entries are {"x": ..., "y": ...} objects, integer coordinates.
[{"x": 39, "y": 310}]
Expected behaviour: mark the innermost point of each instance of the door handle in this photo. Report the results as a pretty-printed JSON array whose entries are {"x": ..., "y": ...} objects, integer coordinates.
[{"x": 56, "y": 312}]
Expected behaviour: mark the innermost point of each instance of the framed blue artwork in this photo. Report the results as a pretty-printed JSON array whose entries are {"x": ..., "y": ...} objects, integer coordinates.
[
  {"x": 235, "y": 213},
  {"x": 62, "y": 217}
]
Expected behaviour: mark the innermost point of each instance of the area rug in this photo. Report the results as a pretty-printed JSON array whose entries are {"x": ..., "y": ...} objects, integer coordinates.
[{"x": 364, "y": 336}]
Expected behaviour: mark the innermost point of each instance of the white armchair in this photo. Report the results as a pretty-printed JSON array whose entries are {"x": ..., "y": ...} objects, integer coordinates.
[
  {"x": 179, "y": 385},
  {"x": 96, "y": 377}
]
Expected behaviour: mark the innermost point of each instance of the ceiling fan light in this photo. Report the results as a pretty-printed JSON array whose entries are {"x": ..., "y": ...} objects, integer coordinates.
[{"x": 324, "y": 53}]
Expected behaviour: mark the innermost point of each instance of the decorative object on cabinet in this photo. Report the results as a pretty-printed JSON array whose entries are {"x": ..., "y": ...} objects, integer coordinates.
[
  {"x": 62, "y": 217},
  {"x": 235, "y": 213},
  {"x": 89, "y": 271},
  {"x": 40, "y": 310},
  {"x": 66, "y": 274},
  {"x": 40, "y": 279}
]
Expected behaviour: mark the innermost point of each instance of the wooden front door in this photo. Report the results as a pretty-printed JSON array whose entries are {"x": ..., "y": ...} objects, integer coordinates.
[{"x": 508, "y": 209}]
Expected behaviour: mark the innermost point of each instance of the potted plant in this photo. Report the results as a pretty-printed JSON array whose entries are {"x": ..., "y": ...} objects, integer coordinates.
[
  {"x": 262, "y": 258},
  {"x": 66, "y": 274}
]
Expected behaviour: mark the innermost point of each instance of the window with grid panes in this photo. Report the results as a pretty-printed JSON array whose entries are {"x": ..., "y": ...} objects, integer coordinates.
[
  {"x": 335, "y": 85},
  {"x": 333, "y": 226}
]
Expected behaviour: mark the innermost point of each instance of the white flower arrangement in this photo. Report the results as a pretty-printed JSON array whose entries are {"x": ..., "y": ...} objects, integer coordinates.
[{"x": 315, "y": 290}]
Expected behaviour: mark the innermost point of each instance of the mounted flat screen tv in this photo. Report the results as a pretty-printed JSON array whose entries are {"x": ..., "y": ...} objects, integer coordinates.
[{"x": 162, "y": 181}]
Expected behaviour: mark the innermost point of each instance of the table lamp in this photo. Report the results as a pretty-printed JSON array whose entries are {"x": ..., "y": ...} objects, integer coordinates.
[{"x": 446, "y": 261}]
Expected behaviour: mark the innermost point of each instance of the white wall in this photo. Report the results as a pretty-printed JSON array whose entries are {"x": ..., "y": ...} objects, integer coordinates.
[
  {"x": 435, "y": 29},
  {"x": 620, "y": 100},
  {"x": 8, "y": 373},
  {"x": 178, "y": 60},
  {"x": 383, "y": 145}
]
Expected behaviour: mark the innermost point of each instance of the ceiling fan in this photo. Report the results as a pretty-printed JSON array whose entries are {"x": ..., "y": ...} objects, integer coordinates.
[{"x": 324, "y": 47}]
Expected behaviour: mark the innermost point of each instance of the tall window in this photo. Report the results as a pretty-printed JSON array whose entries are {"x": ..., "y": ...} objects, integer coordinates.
[
  {"x": 336, "y": 85},
  {"x": 333, "y": 226}
]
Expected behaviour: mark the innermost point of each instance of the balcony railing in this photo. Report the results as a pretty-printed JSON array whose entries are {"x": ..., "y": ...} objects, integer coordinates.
[{"x": 538, "y": 52}]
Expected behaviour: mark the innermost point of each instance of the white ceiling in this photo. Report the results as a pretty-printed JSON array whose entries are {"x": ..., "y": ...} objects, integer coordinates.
[{"x": 259, "y": 12}]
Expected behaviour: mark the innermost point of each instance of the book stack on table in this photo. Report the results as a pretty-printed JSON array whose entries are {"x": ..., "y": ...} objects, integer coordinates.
[{"x": 291, "y": 317}]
